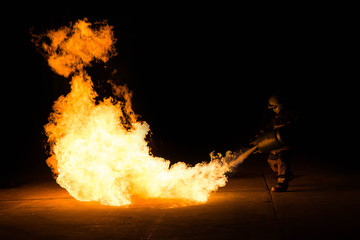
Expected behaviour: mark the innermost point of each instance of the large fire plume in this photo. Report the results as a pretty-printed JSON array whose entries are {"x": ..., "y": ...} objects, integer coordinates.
[{"x": 98, "y": 150}]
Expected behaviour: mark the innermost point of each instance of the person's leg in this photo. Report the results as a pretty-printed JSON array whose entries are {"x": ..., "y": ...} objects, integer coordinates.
[
  {"x": 283, "y": 171},
  {"x": 284, "y": 164},
  {"x": 273, "y": 161}
]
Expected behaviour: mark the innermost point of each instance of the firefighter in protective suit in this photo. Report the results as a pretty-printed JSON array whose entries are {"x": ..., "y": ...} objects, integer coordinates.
[{"x": 279, "y": 158}]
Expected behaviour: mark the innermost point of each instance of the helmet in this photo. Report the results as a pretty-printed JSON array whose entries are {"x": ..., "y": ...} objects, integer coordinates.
[{"x": 275, "y": 103}]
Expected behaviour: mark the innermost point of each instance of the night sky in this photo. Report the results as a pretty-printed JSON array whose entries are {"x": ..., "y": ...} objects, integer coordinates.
[{"x": 200, "y": 78}]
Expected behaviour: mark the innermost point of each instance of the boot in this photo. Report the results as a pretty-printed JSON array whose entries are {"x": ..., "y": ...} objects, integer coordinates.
[{"x": 280, "y": 187}]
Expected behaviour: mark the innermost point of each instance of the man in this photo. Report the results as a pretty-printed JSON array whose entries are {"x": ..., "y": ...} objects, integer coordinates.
[{"x": 279, "y": 158}]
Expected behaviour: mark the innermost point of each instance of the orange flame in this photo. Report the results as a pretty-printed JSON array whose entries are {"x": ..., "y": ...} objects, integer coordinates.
[{"x": 98, "y": 150}]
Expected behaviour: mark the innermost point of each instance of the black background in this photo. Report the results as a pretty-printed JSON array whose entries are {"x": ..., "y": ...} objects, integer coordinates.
[{"x": 201, "y": 76}]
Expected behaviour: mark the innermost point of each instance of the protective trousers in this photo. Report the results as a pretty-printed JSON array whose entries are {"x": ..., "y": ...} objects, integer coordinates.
[{"x": 279, "y": 163}]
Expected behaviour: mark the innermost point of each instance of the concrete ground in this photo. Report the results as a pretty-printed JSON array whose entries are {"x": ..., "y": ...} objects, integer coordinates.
[{"x": 322, "y": 203}]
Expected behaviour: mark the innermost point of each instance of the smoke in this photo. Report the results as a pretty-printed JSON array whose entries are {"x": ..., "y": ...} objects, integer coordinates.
[
  {"x": 233, "y": 159},
  {"x": 240, "y": 157}
]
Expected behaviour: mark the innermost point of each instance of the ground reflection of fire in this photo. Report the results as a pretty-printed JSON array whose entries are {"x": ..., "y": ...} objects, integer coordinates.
[{"x": 98, "y": 150}]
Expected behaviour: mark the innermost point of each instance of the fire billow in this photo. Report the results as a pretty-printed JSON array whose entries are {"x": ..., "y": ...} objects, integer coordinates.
[{"x": 98, "y": 150}]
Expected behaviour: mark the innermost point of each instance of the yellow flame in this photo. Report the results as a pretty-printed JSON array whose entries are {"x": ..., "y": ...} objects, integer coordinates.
[{"x": 98, "y": 150}]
